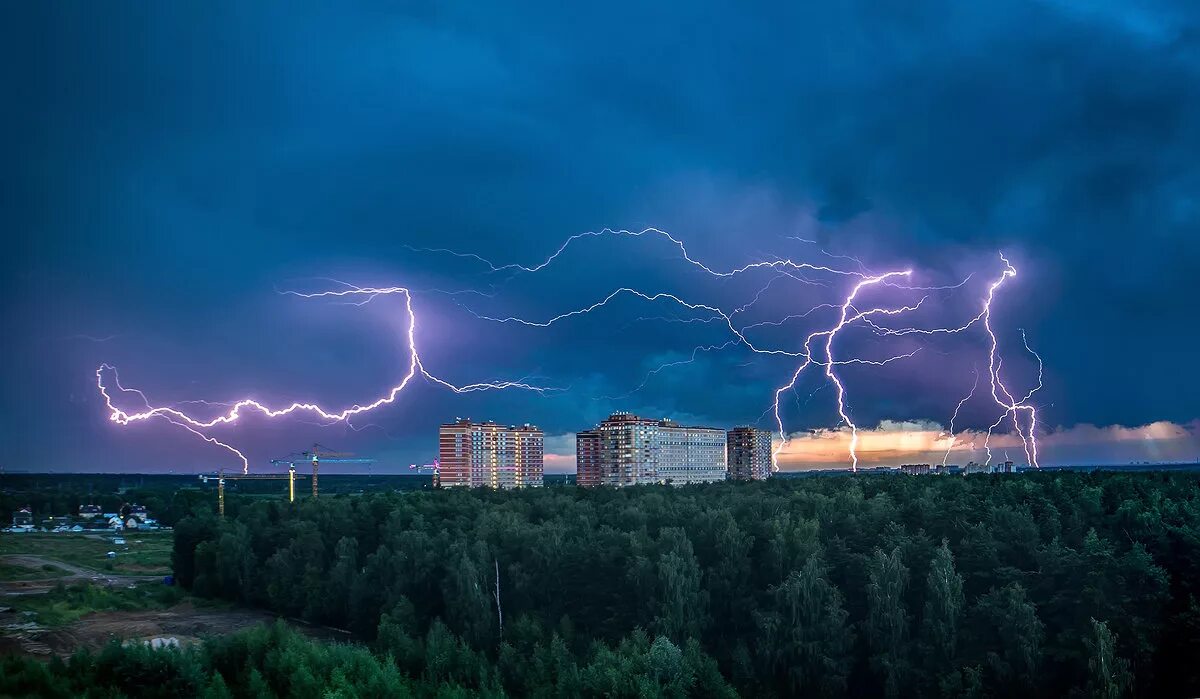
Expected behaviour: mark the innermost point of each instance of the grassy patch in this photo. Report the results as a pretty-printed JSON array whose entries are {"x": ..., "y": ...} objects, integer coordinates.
[
  {"x": 147, "y": 553},
  {"x": 9, "y": 571},
  {"x": 66, "y": 603}
]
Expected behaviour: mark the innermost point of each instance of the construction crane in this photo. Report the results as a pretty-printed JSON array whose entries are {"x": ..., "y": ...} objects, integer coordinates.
[
  {"x": 220, "y": 478},
  {"x": 316, "y": 455},
  {"x": 433, "y": 468}
]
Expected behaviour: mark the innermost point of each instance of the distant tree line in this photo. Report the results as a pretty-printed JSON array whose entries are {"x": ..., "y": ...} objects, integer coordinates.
[
  {"x": 58, "y": 495},
  {"x": 1043, "y": 584}
]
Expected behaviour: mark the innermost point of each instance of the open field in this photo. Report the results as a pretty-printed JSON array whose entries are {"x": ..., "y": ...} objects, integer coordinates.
[
  {"x": 16, "y": 568},
  {"x": 146, "y": 553},
  {"x": 63, "y": 604}
]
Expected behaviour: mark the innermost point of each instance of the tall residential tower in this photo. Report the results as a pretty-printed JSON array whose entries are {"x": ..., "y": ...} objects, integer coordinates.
[
  {"x": 477, "y": 454},
  {"x": 749, "y": 454},
  {"x": 629, "y": 450}
]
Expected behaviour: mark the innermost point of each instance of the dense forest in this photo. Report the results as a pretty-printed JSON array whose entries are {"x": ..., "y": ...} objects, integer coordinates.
[
  {"x": 275, "y": 661},
  {"x": 1038, "y": 584}
]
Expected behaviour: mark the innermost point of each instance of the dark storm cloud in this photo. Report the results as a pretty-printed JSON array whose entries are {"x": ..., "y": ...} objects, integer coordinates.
[{"x": 171, "y": 166}]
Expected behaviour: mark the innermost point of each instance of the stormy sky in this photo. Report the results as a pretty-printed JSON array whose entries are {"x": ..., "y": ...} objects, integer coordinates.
[{"x": 171, "y": 168}]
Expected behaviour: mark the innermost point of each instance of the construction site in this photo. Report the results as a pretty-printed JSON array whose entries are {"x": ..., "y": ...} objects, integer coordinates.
[{"x": 312, "y": 457}]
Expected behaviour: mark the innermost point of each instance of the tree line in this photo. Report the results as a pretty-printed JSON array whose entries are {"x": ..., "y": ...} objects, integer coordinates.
[
  {"x": 276, "y": 661},
  {"x": 1042, "y": 584}
]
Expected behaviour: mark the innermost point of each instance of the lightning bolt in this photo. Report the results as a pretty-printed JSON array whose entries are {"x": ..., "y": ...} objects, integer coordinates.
[
  {"x": 648, "y": 232},
  {"x": 168, "y": 418},
  {"x": 681, "y": 362},
  {"x": 1011, "y": 407},
  {"x": 194, "y": 425},
  {"x": 817, "y": 347},
  {"x": 954, "y": 417},
  {"x": 843, "y": 320},
  {"x": 848, "y": 315}
]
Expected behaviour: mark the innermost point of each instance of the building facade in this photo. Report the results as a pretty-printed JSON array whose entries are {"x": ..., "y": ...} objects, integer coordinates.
[
  {"x": 691, "y": 454},
  {"x": 629, "y": 450},
  {"x": 587, "y": 458},
  {"x": 486, "y": 454},
  {"x": 749, "y": 453}
]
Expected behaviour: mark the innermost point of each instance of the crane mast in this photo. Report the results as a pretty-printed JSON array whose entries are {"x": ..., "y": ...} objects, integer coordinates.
[{"x": 316, "y": 455}]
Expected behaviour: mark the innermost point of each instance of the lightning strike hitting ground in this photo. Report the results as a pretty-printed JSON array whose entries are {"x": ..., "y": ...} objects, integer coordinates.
[{"x": 950, "y": 430}]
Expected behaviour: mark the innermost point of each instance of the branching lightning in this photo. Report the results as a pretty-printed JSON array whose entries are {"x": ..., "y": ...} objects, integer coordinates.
[
  {"x": 818, "y": 348},
  {"x": 950, "y": 430},
  {"x": 178, "y": 417}
]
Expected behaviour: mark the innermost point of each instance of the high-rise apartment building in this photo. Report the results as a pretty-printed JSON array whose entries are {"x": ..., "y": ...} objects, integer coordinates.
[
  {"x": 749, "y": 454},
  {"x": 629, "y": 450},
  {"x": 587, "y": 458},
  {"x": 477, "y": 454},
  {"x": 690, "y": 454}
]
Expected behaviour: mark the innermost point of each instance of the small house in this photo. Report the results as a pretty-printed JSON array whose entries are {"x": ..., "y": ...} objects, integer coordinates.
[{"x": 22, "y": 519}]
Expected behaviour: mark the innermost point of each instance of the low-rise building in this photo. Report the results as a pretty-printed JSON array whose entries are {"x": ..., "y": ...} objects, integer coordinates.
[{"x": 23, "y": 519}]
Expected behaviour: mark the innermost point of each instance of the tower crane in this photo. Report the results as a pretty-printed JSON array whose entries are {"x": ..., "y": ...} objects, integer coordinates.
[
  {"x": 220, "y": 478},
  {"x": 433, "y": 468},
  {"x": 316, "y": 455}
]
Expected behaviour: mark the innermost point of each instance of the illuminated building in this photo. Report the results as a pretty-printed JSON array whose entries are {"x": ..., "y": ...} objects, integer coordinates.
[
  {"x": 690, "y": 454},
  {"x": 634, "y": 450},
  {"x": 748, "y": 454},
  {"x": 587, "y": 458},
  {"x": 477, "y": 454},
  {"x": 915, "y": 469}
]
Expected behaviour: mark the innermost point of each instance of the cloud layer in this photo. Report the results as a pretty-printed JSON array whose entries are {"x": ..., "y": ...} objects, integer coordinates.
[{"x": 167, "y": 175}]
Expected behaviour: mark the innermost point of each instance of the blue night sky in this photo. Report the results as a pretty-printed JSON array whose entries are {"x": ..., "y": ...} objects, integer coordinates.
[{"x": 172, "y": 167}]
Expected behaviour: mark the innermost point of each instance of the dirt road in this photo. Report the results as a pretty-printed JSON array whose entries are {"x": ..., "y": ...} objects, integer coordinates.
[{"x": 77, "y": 573}]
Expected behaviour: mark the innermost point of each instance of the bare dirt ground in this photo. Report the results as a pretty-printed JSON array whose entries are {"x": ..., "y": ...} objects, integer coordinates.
[{"x": 184, "y": 622}]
